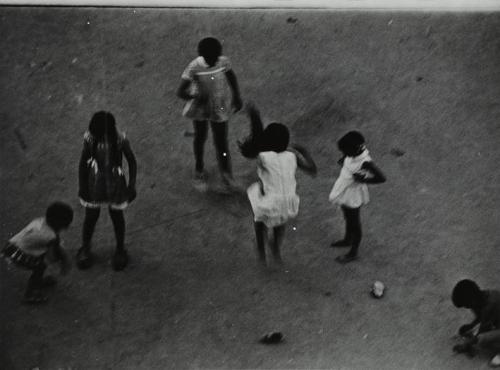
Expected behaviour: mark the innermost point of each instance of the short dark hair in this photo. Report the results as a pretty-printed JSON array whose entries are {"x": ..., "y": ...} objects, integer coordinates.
[
  {"x": 209, "y": 47},
  {"x": 351, "y": 143},
  {"x": 466, "y": 293},
  {"x": 275, "y": 137},
  {"x": 59, "y": 215}
]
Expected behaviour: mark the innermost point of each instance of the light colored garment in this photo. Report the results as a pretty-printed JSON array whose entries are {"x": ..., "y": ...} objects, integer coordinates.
[
  {"x": 34, "y": 239},
  {"x": 274, "y": 199},
  {"x": 346, "y": 191},
  {"x": 212, "y": 82}
]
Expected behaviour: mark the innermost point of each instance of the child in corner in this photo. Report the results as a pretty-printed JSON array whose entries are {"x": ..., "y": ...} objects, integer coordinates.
[
  {"x": 350, "y": 190},
  {"x": 38, "y": 243},
  {"x": 273, "y": 199},
  {"x": 204, "y": 85},
  {"x": 485, "y": 304}
]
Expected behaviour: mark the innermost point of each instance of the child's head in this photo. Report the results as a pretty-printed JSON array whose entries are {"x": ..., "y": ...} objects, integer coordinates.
[
  {"x": 275, "y": 138},
  {"x": 103, "y": 125},
  {"x": 351, "y": 144},
  {"x": 59, "y": 216},
  {"x": 466, "y": 294},
  {"x": 210, "y": 49}
]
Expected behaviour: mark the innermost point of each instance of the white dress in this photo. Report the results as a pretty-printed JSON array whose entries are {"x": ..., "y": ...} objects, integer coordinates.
[
  {"x": 273, "y": 199},
  {"x": 346, "y": 191},
  {"x": 213, "y": 82}
]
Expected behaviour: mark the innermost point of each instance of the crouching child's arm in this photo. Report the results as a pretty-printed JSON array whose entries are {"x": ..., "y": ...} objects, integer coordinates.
[{"x": 58, "y": 254}]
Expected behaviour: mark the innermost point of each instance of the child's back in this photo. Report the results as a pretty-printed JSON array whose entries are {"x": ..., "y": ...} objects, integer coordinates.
[
  {"x": 34, "y": 238},
  {"x": 277, "y": 173}
]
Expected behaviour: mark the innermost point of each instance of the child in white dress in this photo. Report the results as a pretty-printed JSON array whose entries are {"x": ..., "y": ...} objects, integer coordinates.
[
  {"x": 350, "y": 190},
  {"x": 273, "y": 199}
]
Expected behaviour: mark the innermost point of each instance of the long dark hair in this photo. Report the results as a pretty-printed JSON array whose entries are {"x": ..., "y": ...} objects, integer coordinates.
[{"x": 102, "y": 127}]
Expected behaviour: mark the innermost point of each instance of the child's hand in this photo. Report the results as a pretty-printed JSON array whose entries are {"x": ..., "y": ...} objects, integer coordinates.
[
  {"x": 359, "y": 177},
  {"x": 132, "y": 193}
]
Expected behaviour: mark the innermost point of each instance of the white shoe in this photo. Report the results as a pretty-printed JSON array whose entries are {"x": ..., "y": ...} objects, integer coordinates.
[
  {"x": 200, "y": 182},
  {"x": 495, "y": 361}
]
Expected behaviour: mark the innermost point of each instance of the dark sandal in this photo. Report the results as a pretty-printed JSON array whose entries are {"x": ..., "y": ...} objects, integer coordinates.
[
  {"x": 272, "y": 338},
  {"x": 346, "y": 258},
  {"x": 84, "y": 259},
  {"x": 120, "y": 260}
]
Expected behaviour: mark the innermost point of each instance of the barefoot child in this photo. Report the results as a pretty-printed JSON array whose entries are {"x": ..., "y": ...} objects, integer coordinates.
[
  {"x": 350, "y": 190},
  {"x": 273, "y": 199},
  {"x": 204, "y": 86},
  {"x": 38, "y": 243},
  {"x": 102, "y": 183},
  {"x": 485, "y": 304}
]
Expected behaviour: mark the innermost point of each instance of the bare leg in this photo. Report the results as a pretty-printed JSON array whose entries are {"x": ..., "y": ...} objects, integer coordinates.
[
  {"x": 278, "y": 237},
  {"x": 346, "y": 241},
  {"x": 353, "y": 229},
  {"x": 120, "y": 259},
  {"x": 261, "y": 236},
  {"x": 219, "y": 132},
  {"x": 118, "y": 226},
  {"x": 91, "y": 217},
  {"x": 200, "y": 137},
  {"x": 84, "y": 258},
  {"x": 34, "y": 292}
]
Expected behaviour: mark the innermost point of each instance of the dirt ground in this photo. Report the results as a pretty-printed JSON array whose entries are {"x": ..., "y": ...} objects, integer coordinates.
[{"x": 423, "y": 88}]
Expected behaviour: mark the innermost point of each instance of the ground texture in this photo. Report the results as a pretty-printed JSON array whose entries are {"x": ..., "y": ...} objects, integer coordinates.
[{"x": 423, "y": 88}]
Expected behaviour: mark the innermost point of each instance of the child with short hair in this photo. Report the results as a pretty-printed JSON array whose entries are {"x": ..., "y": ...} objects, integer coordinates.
[
  {"x": 38, "y": 243},
  {"x": 204, "y": 85},
  {"x": 102, "y": 182},
  {"x": 485, "y": 304},
  {"x": 350, "y": 190},
  {"x": 273, "y": 199}
]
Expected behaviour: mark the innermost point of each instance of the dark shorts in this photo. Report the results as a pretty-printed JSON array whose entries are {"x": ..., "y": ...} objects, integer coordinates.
[{"x": 15, "y": 255}]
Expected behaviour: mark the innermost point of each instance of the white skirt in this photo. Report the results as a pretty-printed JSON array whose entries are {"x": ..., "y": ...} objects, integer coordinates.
[{"x": 272, "y": 209}]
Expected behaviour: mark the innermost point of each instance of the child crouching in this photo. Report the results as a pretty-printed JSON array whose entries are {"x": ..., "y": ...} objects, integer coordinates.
[{"x": 37, "y": 243}]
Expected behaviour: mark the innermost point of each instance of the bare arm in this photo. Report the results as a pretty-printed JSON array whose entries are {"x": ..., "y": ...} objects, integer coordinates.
[
  {"x": 465, "y": 330},
  {"x": 377, "y": 177},
  {"x": 257, "y": 127},
  {"x": 183, "y": 90},
  {"x": 233, "y": 84},
  {"x": 132, "y": 169},
  {"x": 83, "y": 173},
  {"x": 60, "y": 255},
  {"x": 249, "y": 147},
  {"x": 304, "y": 160}
]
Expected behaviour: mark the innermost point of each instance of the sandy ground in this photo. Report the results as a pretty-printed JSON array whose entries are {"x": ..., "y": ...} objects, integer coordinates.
[{"x": 423, "y": 88}]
